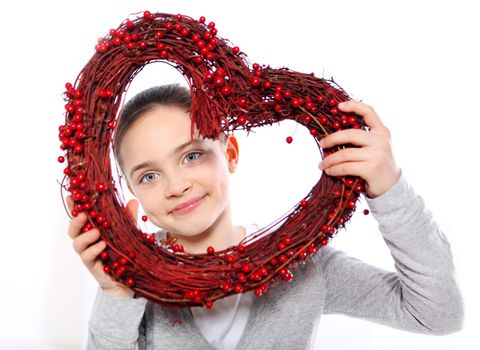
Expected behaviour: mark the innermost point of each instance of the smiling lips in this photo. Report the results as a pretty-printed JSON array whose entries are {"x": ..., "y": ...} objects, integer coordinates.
[{"x": 187, "y": 206}]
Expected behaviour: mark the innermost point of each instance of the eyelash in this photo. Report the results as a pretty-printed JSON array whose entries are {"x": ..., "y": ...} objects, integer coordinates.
[{"x": 194, "y": 152}]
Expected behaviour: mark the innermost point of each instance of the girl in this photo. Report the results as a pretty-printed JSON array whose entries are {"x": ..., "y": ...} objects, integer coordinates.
[{"x": 184, "y": 188}]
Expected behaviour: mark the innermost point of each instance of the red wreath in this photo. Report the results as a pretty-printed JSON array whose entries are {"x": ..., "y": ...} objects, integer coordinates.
[{"x": 226, "y": 95}]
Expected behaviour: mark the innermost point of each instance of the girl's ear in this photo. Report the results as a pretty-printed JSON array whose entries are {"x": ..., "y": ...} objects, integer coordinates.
[{"x": 232, "y": 153}]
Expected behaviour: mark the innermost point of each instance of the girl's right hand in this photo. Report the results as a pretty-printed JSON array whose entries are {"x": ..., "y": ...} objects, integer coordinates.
[{"x": 88, "y": 247}]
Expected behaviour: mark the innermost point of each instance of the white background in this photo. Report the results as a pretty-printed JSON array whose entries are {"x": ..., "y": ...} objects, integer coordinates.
[{"x": 415, "y": 62}]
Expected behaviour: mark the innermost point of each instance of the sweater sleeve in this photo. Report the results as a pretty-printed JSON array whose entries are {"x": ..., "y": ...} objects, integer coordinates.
[
  {"x": 422, "y": 295},
  {"x": 116, "y": 323}
]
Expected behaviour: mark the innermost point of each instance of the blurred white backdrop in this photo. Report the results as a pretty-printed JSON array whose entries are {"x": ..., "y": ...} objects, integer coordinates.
[{"x": 415, "y": 62}]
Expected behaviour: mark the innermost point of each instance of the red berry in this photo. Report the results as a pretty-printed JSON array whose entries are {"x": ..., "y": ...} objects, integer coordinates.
[
  {"x": 226, "y": 90},
  {"x": 219, "y": 81},
  {"x": 241, "y": 277},
  {"x": 242, "y": 102},
  {"x": 235, "y": 50},
  {"x": 289, "y": 139},
  {"x": 258, "y": 291},
  {"x": 144, "y": 218},
  {"x": 332, "y": 102},
  {"x": 101, "y": 186},
  {"x": 242, "y": 120},
  {"x": 202, "y": 19},
  {"x": 210, "y": 250},
  {"x": 255, "y": 81},
  {"x": 246, "y": 268},
  {"x": 61, "y": 159},
  {"x": 70, "y": 108}
]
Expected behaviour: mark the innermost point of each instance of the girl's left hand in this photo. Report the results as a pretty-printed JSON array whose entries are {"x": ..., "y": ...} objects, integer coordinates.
[{"x": 373, "y": 160}]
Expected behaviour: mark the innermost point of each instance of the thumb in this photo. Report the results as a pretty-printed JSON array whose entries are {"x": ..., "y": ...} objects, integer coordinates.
[
  {"x": 132, "y": 209},
  {"x": 70, "y": 203}
]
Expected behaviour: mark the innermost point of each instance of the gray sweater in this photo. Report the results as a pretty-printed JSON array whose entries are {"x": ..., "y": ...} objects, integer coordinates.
[{"x": 421, "y": 296}]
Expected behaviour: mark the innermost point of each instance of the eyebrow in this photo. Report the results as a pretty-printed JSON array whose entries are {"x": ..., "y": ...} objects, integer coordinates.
[{"x": 177, "y": 150}]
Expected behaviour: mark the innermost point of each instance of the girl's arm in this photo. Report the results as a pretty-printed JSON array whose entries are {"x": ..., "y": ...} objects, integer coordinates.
[
  {"x": 423, "y": 295},
  {"x": 116, "y": 323}
]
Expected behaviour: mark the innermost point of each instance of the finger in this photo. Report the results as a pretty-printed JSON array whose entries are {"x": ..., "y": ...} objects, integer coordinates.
[
  {"x": 77, "y": 224},
  {"x": 83, "y": 241},
  {"x": 356, "y": 137},
  {"x": 369, "y": 115},
  {"x": 70, "y": 203},
  {"x": 132, "y": 209},
  {"x": 360, "y": 169},
  {"x": 90, "y": 254},
  {"x": 344, "y": 156}
]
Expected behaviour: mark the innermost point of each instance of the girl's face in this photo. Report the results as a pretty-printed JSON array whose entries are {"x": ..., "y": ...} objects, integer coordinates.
[{"x": 165, "y": 169}]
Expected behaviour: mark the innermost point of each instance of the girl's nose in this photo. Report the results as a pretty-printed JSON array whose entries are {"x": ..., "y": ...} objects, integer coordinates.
[{"x": 176, "y": 185}]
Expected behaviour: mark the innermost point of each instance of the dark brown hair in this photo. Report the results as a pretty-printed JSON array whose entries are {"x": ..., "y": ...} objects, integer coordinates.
[{"x": 145, "y": 101}]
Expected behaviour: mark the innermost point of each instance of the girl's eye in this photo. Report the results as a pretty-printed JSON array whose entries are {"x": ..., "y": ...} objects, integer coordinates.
[
  {"x": 194, "y": 158},
  {"x": 148, "y": 177}
]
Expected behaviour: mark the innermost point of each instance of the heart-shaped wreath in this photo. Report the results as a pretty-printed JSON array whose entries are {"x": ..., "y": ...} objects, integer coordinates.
[{"x": 226, "y": 95}]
